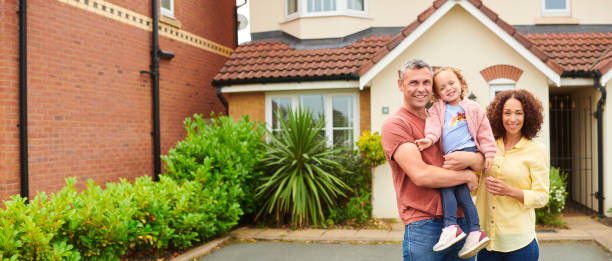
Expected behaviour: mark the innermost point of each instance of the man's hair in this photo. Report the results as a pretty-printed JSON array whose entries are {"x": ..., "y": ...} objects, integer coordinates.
[{"x": 413, "y": 64}]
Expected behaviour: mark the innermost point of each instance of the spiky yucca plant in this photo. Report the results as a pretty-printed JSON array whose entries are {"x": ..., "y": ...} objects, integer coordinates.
[{"x": 299, "y": 166}]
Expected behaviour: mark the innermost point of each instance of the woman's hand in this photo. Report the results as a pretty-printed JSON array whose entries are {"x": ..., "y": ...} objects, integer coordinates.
[{"x": 500, "y": 188}]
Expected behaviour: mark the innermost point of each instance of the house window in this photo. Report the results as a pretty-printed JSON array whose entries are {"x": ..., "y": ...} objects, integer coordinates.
[
  {"x": 555, "y": 8},
  {"x": 338, "y": 111},
  {"x": 499, "y": 85},
  {"x": 167, "y": 8},
  {"x": 292, "y": 6},
  {"x": 355, "y": 5},
  {"x": 321, "y": 5},
  {"x": 310, "y": 8}
]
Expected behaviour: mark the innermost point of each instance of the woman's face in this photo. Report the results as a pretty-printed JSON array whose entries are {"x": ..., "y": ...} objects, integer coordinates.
[{"x": 513, "y": 116}]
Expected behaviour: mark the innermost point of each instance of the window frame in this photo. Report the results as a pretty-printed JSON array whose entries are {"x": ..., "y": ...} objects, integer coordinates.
[
  {"x": 498, "y": 85},
  {"x": 168, "y": 12},
  {"x": 556, "y": 12},
  {"x": 328, "y": 110},
  {"x": 341, "y": 10}
]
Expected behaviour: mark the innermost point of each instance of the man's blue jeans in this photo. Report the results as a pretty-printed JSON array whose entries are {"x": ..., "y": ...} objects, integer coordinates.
[{"x": 421, "y": 236}]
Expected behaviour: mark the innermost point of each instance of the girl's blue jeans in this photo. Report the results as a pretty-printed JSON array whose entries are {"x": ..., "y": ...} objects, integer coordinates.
[{"x": 460, "y": 194}]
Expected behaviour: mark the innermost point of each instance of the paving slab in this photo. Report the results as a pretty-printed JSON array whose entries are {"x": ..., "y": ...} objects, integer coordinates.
[
  {"x": 339, "y": 234},
  {"x": 306, "y": 234},
  {"x": 371, "y": 235}
]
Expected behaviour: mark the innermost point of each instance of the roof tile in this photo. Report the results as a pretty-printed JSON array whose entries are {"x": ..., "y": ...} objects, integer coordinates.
[{"x": 426, "y": 14}]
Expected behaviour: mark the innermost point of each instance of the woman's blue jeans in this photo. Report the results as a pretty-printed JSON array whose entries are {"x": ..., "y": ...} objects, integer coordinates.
[
  {"x": 421, "y": 236},
  {"x": 530, "y": 252}
]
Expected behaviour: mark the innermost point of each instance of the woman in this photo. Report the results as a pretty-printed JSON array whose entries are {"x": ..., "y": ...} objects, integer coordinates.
[{"x": 517, "y": 182}]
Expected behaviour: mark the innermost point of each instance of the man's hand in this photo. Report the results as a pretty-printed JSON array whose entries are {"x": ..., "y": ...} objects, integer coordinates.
[
  {"x": 459, "y": 160},
  {"x": 488, "y": 163},
  {"x": 423, "y": 143}
]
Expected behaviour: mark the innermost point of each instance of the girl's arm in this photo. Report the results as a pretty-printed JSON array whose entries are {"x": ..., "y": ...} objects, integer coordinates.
[{"x": 433, "y": 123}]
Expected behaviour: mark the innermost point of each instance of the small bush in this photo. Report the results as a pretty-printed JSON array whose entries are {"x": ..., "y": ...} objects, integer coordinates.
[
  {"x": 299, "y": 182},
  {"x": 221, "y": 148},
  {"x": 371, "y": 149},
  {"x": 551, "y": 213}
]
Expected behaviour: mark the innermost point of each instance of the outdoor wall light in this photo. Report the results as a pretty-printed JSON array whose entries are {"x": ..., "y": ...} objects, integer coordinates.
[
  {"x": 166, "y": 55},
  {"x": 472, "y": 96}
]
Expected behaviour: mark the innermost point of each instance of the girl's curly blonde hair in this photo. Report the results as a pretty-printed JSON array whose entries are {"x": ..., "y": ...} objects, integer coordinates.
[{"x": 457, "y": 72}]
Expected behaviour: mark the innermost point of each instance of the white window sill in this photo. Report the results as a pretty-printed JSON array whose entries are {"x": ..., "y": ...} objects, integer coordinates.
[{"x": 356, "y": 14}]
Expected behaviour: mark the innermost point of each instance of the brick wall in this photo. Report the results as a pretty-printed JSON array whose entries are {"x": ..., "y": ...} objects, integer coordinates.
[
  {"x": 89, "y": 107},
  {"x": 501, "y": 71},
  {"x": 248, "y": 103},
  {"x": 364, "y": 110}
]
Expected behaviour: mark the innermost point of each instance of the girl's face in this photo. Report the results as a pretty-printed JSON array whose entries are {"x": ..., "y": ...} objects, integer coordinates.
[
  {"x": 513, "y": 116},
  {"x": 448, "y": 87}
]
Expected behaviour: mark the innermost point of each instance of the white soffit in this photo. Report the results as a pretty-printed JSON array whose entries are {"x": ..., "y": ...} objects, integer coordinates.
[
  {"x": 402, "y": 46},
  {"x": 576, "y": 82},
  {"x": 534, "y": 60},
  {"x": 482, "y": 18},
  {"x": 290, "y": 86},
  {"x": 606, "y": 77}
]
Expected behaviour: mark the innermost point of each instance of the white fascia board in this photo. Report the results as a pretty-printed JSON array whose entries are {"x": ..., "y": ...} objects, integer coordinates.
[
  {"x": 568, "y": 81},
  {"x": 486, "y": 21},
  {"x": 402, "y": 46},
  {"x": 290, "y": 86},
  {"x": 606, "y": 77}
]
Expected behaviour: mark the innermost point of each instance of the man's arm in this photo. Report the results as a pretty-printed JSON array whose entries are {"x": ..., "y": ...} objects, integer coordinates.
[
  {"x": 463, "y": 159},
  {"x": 422, "y": 174}
]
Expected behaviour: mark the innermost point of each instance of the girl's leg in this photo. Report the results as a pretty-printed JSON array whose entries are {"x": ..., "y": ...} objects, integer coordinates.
[
  {"x": 462, "y": 193},
  {"x": 449, "y": 206}
]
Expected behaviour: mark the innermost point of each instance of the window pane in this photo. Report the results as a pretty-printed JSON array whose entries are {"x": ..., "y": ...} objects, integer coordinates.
[
  {"x": 342, "y": 111},
  {"x": 282, "y": 104},
  {"x": 554, "y": 4},
  {"x": 166, "y": 4},
  {"x": 291, "y": 6},
  {"x": 355, "y": 5},
  {"x": 343, "y": 137},
  {"x": 315, "y": 103},
  {"x": 321, "y": 5}
]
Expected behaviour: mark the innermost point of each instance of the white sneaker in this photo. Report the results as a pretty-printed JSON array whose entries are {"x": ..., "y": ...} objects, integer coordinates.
[
  {"x": 450, "y": 235},
  {"x": 475, "y": 241}
]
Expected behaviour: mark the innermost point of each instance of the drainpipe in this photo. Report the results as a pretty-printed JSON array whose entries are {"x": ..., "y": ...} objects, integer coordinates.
[
  {"x": 599, "y": 115},
  {"x": 155, "y": 82},
  {"x": 223, "y": 101},
  {"x": 23, "y": 100}
]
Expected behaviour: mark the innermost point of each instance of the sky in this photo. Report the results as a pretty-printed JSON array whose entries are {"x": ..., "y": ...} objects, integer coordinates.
[{"x": 244, "y": 35}]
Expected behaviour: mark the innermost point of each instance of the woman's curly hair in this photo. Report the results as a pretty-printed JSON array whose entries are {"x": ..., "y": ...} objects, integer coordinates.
[{"x": 532, "y": 118}]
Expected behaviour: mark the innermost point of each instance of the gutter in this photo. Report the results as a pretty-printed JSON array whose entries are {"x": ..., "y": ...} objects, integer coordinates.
[
  {"x": 155, "y": 86},
  {"x": 599, "y": 117},
  {"x": 23, "y": 101},
  {"x": 350, "y": 76}
]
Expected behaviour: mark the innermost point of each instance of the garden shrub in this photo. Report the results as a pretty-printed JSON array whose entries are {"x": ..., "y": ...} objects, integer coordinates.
[
  {"x": 371, "y": 149},
  {"x": 299, "y": 182},
  {"x": 225, "y": 149},
  {"x": 551, "y": 213}
]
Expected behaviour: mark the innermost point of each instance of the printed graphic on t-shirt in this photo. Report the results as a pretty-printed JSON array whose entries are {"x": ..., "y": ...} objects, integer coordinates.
[{"x": 460, "y": 116}]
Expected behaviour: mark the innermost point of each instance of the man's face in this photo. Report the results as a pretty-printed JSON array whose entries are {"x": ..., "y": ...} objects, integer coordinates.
[{"x": 416, "y": 87}]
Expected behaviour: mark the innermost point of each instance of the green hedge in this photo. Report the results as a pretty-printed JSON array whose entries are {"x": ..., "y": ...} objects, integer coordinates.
[{"x": 210, "y": 175}]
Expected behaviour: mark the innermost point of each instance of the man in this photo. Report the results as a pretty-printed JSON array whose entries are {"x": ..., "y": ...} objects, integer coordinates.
[{"x": 417, "y": 175}]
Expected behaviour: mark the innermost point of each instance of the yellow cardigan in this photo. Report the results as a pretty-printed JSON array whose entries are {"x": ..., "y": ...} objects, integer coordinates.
[{"x": 509, "y": 223}]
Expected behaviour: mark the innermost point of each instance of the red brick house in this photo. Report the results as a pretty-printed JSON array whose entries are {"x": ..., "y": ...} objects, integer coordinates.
[{"x": 89, "y": 96}]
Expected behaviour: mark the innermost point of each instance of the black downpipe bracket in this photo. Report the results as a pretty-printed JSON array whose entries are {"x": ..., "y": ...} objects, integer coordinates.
[
  {"x": 155, "y": 77},
  {"x": 600, "y": 161},
  {"x": 23, "y": 100}
]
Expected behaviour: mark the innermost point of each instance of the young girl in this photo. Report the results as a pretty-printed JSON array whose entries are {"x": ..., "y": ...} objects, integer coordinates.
[{"x": 461, "y": 125}]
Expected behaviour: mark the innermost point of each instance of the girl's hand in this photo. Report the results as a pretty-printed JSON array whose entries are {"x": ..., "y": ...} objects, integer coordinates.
[
  {"x": 488, "y": 163},
  {"x": 423, "y": 143}
]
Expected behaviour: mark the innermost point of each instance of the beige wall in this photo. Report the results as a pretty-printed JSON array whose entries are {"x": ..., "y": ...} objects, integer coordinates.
[
  {"x": 474, "y": 48},
  {"x": 269, "y": 15}
]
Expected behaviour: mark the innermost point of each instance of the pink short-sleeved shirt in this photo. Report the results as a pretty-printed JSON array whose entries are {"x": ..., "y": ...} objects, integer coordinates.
[{"x": 414, "y": 203}]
